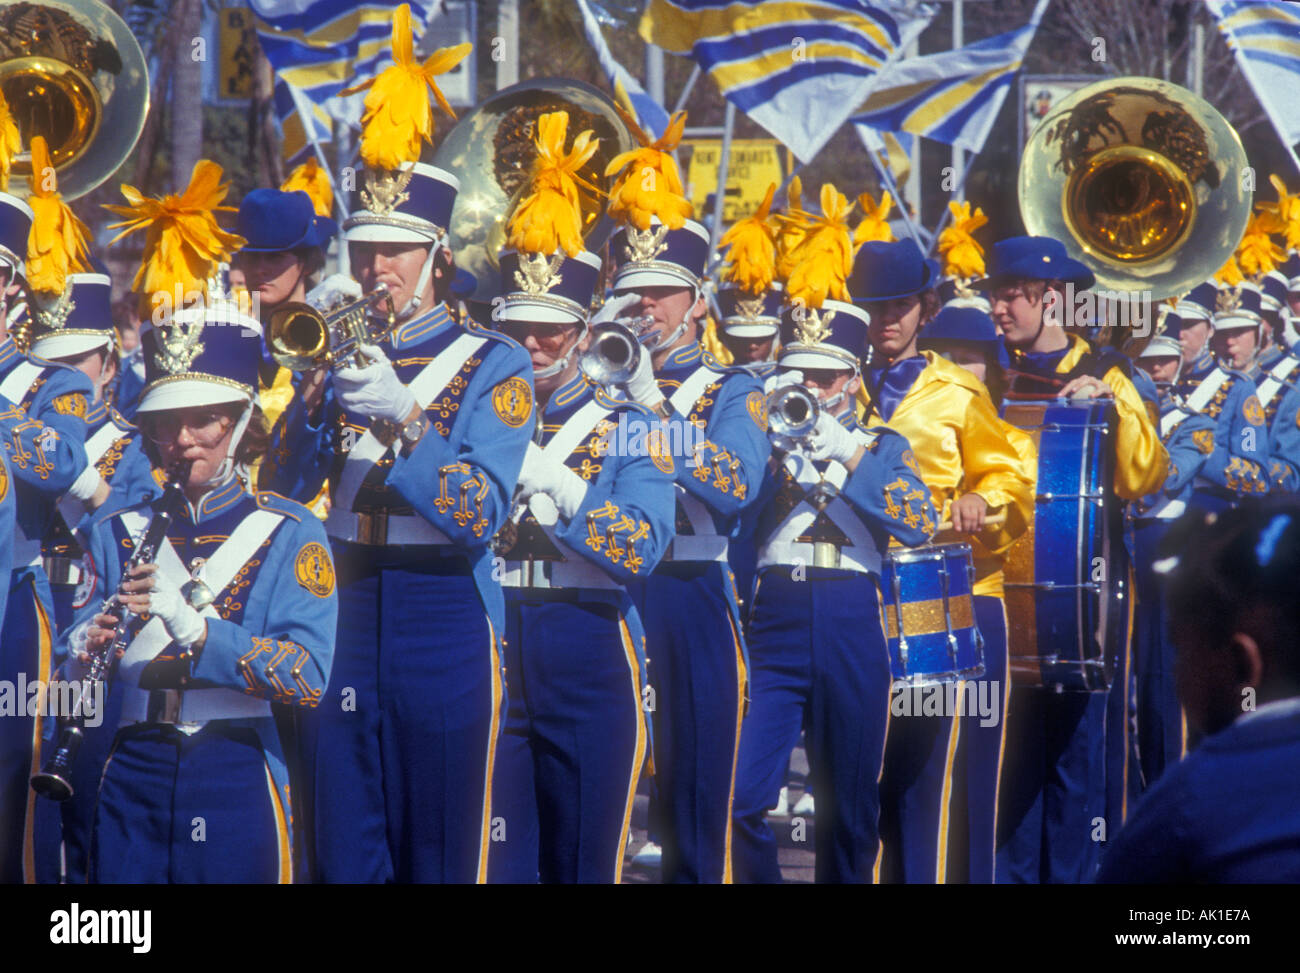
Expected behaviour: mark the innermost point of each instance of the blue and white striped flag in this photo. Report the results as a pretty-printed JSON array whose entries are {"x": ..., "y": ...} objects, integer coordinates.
[
  {"x": 799, "y": 68},
  {"x": 953, "y": 96},
  {"x": 304, "y": 125},
  {"x": 320, "y": 47},
  {"x": 1265, "y": 37},
  {"x": 652, "y": 115}
]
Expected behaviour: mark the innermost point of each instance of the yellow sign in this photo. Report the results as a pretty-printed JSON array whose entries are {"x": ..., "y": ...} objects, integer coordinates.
[
  {"x": 238, "y": 54},
  {"x": 755, "y": 165}
]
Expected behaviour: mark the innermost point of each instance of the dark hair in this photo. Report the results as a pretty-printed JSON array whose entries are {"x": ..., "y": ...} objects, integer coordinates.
[
  {"x": 313, "y": 262},
  {"x": 254, "y": 444},
  {"x": 1239, "y": 571}
]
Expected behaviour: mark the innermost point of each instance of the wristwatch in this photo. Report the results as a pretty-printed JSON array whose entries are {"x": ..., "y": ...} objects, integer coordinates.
[{"x": 413, "y": 432}]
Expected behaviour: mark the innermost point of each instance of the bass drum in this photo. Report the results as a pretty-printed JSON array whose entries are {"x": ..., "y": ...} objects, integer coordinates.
[{"x": 1066, "y": 578}]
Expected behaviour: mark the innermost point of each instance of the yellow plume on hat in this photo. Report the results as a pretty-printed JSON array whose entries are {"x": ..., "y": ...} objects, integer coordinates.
[
  {"x": 56, "y": 245},
  {"x": 962, "y": 255},
  {"x": 1287, "y": 211},
  {"x": 875, "y": 220},
  {"x": 311, "y": 179},
  {"x": 790, "y": 229},
  {"x": 824, "y": 259},
  {"x": 183, "y": 243},
  {"x": 648, "y": 183},
  {"x": 1229, "y": 275},
  {"x": 10, "y": 142},
  {"x": 550, "y": 216},
  {"x": 751, "y": 257},
  {"x": 398, "y": 114},
  {"x": 1257, "y": 254}
]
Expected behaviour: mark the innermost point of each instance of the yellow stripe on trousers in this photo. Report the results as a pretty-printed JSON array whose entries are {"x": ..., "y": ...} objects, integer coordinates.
[
  {"x": 43, "y": 668},
  {"x": 485, "y": 830},
  {"x": 742, "y": 681},
  {"x": 285, "y": 871},
  {"x": 634, "y": 777}
]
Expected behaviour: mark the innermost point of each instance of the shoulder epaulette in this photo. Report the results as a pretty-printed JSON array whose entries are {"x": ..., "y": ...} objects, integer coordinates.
[{"x": 276, "y": 503}]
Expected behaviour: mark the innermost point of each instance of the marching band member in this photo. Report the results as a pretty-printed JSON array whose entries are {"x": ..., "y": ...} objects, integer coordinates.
[
  {"x": 689, "y": 603},
  {"x": 1053, "y": 784},
  {"x": 595, "y": 512},
  {"x": 970, "y": 467},
  {"x": 43, "y": 418},
  {"x": 1189, "y": 438},
  {"x": 239, "y": 603},
  {"x": 750, "y": 298},
  {"x": 825, "y": 512},
  {"x": 422, "y": 447}
]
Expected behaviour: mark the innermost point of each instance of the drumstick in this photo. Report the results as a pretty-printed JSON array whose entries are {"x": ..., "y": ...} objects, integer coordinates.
[{"x": 992, "y": 520}]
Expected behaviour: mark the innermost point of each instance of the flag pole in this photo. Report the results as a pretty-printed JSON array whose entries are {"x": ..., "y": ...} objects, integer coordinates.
[
  {"x": 687, "y": 89},
  {"x": 956, "y": 195},
  {"x": 719, "y": 196}
]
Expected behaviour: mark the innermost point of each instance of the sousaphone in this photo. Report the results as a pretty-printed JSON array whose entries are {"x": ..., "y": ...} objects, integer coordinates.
[{"x": 71, "y": 70}]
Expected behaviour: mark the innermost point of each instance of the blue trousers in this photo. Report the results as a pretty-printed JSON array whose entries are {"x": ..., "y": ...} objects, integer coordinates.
[
  {"x": 575, "y": 737},
  {"x": 401, "y": 746},
  {"x": 1052, "y": 814},
  {"x": 1161, "y": 731},
  {"x": 698, "y": 662},
  {"x": 938, "y": 791},
  {"x": 819, "y": 662},
  {"x": 181, "y": 808},
  {"x": 25, "y": 657}
]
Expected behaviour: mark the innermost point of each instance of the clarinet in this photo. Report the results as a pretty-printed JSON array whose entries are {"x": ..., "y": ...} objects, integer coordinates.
[{"x": 55, "y": 779}]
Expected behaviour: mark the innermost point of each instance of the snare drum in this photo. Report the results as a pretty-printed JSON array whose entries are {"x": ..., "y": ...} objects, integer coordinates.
[
  {"x": 929, "y": 614},
  {"x": 1066, "y": 578}
]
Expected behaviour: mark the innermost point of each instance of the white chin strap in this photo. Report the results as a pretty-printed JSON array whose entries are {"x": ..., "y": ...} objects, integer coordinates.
[
  {"x": 834, "y": 401},
  {"x": 228, "y": 468},
  {"x": 426, "y": 272},
  {"x": 560, "y": 364},
  {"x": 670, "y": 339}
]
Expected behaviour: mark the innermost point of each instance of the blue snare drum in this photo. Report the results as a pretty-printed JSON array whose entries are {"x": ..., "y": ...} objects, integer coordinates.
[
  {"x": 929, "y": 615},
  {"x": 1066, "y": 579}
]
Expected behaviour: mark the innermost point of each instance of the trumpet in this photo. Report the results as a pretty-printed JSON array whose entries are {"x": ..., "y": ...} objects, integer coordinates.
[
  {"x": 55, "y": 779},
  {"x": 612, "y": 356},
  {"x": 792, "y": 413},
  {"x": 302, "y": 337}
]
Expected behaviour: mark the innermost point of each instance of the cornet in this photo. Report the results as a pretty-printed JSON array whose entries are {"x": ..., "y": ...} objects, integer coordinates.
[
  {"x": 302, "y": 337},
  {"x": 612, "y": 355},
  {"x": 792, "y": 413}
]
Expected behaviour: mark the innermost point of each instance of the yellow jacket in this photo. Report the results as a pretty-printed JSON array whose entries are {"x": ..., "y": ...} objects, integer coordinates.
[
  {"x": 961, "y": 446},
  {"x": 1141, "y": 461}
]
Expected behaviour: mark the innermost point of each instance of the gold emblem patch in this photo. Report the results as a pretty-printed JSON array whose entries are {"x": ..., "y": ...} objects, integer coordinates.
[
  {"x": 512, "y": 401},
  {"x": 314, "y": 570},
  {"x": 1204, "y": 440},
  {"x": 756, "y": 403},
  {"x": 656, "y": 444},
  {"x": 73, "y": 404},
  {"x": 910, "y": 459},
  {"x": 4, "y": 482},
  {"x": 1253, "y": 411}
]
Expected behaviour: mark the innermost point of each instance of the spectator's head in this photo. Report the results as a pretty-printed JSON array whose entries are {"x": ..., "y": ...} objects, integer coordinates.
[{"x": 1233, "y": 594}]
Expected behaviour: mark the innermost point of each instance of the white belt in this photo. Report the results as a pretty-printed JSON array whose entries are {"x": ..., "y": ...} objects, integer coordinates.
[
  {"x": 194, "y": 706},
  {"x": 792, "y": 553},
  {"x": 401, "y": 529}
]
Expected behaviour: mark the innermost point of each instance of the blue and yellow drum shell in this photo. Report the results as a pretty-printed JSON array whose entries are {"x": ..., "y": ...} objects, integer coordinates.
[{"x": 929, "y": 615}]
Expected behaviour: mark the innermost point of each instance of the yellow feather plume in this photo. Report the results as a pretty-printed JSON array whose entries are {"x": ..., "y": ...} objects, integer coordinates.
[
  {"x": 648, "y": 182},
  {"x": 56, "y": 245},
  {"x": 398, "y": 114},
  {"x": 1287, "y": 211},
  {"x": 790, "y": 229},
  {"x": 311, "y": 179},
  {"x": 550, "y": 216},
  {"x": 1257, "y": 254},
  {"x": 751, "y": 257},
  {"x": 825, "y": 257},
  {"x": 1229, "y": 275},
  {"x": 10, "y": 142},
  {"x": 875, "y": 220},
  {"x": 962, "y": 255},
  {"x": 183, "y": 243}
]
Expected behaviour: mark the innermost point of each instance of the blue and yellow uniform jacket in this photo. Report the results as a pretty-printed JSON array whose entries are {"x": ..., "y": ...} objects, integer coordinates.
[
  {"x": 1189, "y": 439},
  {"x": 1239, "y": 463},
  {"x": 960, "y": 446},
  {"x": 44, "y": 407},
  {"x": 456, "y": 485},
  {"x": 884, "y": 497},
  {"x": 1141, "y": 463},
  {"x": 271, "y": 628},
  {"x": 8, "y": 514}
]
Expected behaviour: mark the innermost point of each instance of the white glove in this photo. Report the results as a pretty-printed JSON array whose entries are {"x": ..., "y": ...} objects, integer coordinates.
[
  {"x": 831, "y": 441},
  {"x": 85, "y": 485},
  {"x": 183, "y": 623},
  {"x": 333, "y": 291},
  {"x": 544, "y": 474},
  {"x": 782, "y": 379},
  {"x": 613, "y": 309},
  {"x": 642, "y": 386},
  {"x": 375, "y": 390}
]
